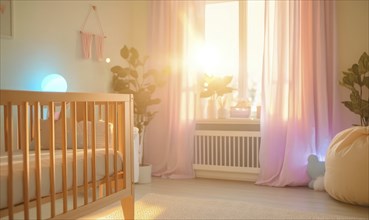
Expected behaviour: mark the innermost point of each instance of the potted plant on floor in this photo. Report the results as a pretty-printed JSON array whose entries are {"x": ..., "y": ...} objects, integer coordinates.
[
  {"x": 136, "y": 79},
  {"x": 347, "y": 173},
  {"x": 356, "y": 79}
]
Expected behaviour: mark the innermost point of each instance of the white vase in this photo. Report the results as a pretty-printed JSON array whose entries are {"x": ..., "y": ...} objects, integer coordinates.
[
  {"x": 222, "y": 113},
  {"x": 144, "y": 174},
  {"x": 212, "y": 109}
]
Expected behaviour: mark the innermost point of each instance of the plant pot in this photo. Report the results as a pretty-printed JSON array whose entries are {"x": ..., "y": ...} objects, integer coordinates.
[{"x": 144, "y": 174}]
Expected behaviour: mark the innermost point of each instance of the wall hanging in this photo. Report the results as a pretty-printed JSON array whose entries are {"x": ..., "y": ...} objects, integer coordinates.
[
  {"x": 6, "y": 18},
  {"x": 87, "y": 37}
]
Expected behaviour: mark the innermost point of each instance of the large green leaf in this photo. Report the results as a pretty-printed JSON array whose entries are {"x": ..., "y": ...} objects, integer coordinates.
[
  {"x": 206, "y": 94},
  {"x": 134, "y": 53},
  {"x": 119, "y": 70},
  {"x": 366, "y": 82},
  {"x": 224, "y": 90},
  {"x": 227, "y": 80},
  {"x": 133, "y": 61},
  {"x": 363, "y": 64},
  {"x": 134, "y": 73},
  {"x": 365, "y": 108},
  {"x": 151, "y": 88},
  {"x": 355, "y": 68},
  {"x": 121, "y": 86},
  {"x": 355, "y": 97},
  {"x": 353, "y": 107},
  {"x": 345, "y": 84},
  {"x": 124, "y": 52},
  {"x": 351, "y": 78}
]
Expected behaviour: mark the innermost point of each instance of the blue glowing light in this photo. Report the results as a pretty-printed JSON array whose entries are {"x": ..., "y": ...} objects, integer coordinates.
[{"x": 54, "y": 83}]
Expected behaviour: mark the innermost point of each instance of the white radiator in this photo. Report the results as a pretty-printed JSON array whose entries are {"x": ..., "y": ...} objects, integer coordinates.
[{"x": 227, "y": 154}]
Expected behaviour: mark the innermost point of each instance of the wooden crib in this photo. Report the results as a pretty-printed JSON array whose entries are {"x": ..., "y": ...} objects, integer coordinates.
[{"x": 58, "y": 149}]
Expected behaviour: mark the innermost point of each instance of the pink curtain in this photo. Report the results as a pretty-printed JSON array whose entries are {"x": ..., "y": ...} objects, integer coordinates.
[
  {"x": 175, "y": 28},
  {"x": 299, "y": 97}
]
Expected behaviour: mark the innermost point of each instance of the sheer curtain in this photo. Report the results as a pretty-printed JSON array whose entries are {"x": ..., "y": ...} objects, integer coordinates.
[
  {"x": 299, "y": 103},
  {"x": 176, "y": 29}
]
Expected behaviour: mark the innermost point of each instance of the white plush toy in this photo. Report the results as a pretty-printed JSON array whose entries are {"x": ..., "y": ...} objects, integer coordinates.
[{"x": 316, "y": 170}]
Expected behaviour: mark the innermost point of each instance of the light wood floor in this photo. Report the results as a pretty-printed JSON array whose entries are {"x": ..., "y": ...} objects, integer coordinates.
[{"x": 297, "y": 198}]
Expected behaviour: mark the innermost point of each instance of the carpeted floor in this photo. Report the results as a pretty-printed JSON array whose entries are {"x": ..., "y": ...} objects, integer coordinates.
[{"x": 155, "y": 206}]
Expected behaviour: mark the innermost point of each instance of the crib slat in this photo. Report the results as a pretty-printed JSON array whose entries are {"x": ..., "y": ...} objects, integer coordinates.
[
  {"x": 64, "y": 156},
  {"x": 25, "y": 141},
  {"x": 9, "y": 134},
  {"x": 20, "y": 143},
  {"x": 243, "y": 151},
  {"x": 31, "y": 113},
  {"x": 73, "y": 115},
  {"x": 38, "y": 159},
  {"x": 115, "y": 144},
  {"x": 107, "y": 149},
  {"x": 52, "y": 156},
  {"x": 93, "y": 159},
  {"x": 85, "y": 146}
]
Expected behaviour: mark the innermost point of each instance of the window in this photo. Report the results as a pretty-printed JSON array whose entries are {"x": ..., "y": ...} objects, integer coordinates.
[{"x": 234, "y": 34}]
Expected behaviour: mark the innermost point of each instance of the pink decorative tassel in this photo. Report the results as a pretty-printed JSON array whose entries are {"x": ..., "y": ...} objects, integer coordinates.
[
  {"x": 99, "y": 46},
  {"x": 86, "y": 44}
]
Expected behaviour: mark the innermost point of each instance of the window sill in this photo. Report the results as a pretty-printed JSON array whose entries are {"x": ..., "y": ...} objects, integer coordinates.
[{"x": 229, "y": 121}]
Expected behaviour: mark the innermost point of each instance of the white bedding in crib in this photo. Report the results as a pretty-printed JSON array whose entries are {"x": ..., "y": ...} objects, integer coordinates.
[{"x": 45, "y": 180}]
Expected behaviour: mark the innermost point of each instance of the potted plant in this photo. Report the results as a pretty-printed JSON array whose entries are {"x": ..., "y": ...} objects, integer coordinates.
[
  {"x": 136, "y": 79},
  {"x": 214, "y": 88},
  {"x": 356, "y": 79}
]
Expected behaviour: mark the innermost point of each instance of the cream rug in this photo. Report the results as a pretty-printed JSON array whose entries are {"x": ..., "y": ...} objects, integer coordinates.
[{"x": 155, "y": 206}]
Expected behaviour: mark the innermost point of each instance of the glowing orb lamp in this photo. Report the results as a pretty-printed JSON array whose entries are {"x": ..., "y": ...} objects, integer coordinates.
[{"x": 54, "y": 83}]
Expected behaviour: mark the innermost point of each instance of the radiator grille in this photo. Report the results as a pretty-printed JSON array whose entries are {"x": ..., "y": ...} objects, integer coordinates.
[{"x": 227, "y": 148}]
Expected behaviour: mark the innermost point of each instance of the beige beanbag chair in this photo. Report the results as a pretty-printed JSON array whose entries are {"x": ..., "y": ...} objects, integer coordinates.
[{"x": 347, "y": 167}]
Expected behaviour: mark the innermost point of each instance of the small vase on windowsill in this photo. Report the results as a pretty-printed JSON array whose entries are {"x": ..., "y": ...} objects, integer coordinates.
[
  {"x": 212, "y": 109},
  {"x": 222, "y": 110},
  {"x": 214, "y": 88}
]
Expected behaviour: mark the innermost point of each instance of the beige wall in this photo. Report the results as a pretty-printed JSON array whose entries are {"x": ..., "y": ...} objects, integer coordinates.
[
  {"x": 140, "y": 19},
  {"x": 46, "y": 40},
  {"x": 353, "y": 40}
]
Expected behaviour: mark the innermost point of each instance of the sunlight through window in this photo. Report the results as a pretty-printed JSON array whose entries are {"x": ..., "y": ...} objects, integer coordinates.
[
  {"x": 234, "y": 37},
  {"x": 221, "y": 39}
]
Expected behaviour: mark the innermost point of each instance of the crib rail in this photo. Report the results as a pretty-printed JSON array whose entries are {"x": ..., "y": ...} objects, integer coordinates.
[{"x": 25, "y": 116}]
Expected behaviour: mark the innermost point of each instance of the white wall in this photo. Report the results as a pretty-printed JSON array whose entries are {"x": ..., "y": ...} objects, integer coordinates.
[
  {"x": 46, "y": 40},
  {"x": 353, "y": 40}
]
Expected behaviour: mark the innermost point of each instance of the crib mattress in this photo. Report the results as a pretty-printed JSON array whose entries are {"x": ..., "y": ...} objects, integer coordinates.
[{"x": 45, "y": 172}]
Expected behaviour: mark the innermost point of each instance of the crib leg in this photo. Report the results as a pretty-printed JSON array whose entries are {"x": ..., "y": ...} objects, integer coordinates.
[{"x": 128, "y": 207}]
